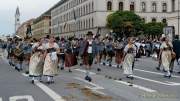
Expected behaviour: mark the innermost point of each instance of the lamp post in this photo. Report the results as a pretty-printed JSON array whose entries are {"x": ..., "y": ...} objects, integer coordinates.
[{"x": 178, "y": 19}]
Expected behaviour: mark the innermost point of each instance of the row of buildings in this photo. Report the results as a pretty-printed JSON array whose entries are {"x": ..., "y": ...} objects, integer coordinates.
[{"x": 75, "y": 17}]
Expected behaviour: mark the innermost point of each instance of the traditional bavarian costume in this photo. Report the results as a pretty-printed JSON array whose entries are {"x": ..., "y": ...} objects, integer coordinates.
[
  {"x": 119, "y": 53},
  {"x": 61, "y": 54},
  {"x": 51, "y": 62},
  {"x": 88, "y": 55},
  {"x": 70, "y": 58},
  {"x": 166, "y": 57},
  {"x": 130, "y": 51},
  {"x": 36, "y": 61}
]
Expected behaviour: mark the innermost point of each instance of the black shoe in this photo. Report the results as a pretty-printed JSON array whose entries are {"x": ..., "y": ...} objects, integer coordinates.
[
  {"x": 88, "y": 78},
  {"x": 157, "y": 68},
  {"x": 16, "y": 68},
  {"x": 104, "y": 64},
  {"x": 130, "y": 77},
  {"x": 32, "y": 81},
  {"x": 167, "y": 76},
  {"x": 164, "y": 70},
  {"x": 27, "y": 72},
  {"x": 48, "y": 82},
  {"x": 118, "y": 66},
  {"x": 70, "y": 71},
  {"x": 171, "y": 71},
  {"x": 110, "y": 65},
  {"x": 62, "y": 68},
  {"x": 98, "y": 69}
]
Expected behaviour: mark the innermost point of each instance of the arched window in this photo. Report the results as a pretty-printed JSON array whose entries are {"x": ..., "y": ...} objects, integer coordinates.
[
  {"x": 109, "y": 5},
  {"x": 143, "y": 19},
  {"x": 153, "y": 19},
  {"x": 164, "y": 7},
  {"x": 164, "y": 21},
  {"x": 132, "y": 6},
  {"x": 121, "y": 6},
  {"x": 154, "y": 7},
  {"x": 143, "y": 6}
]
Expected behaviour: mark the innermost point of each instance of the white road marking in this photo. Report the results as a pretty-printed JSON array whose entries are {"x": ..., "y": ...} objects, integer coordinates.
[
  {"x": 95, "y": 90},
  {"x": 16, "y": 98},
  {"x": 91, "y": 73},
  {"x": 50, "y": 92},
  {"x": 137, "y": 86},
  {"x": 47, "y": 90},
  {"x": 154, "y": 72},
  {"x": 93, "y": 84},
  {"x": 0, "y": 99},
  {"x": 159, "y": 82},
  {"x": 141, "y": 70}
]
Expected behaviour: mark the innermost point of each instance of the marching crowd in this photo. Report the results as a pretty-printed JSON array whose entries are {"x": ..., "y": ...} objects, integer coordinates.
[{"x": 45, "y": 57}]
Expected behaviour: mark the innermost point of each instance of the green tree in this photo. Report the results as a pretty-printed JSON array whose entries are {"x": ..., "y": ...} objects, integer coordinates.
[
  {"x": 125, "y": 23},
  {"x": 153, "y": 28}
]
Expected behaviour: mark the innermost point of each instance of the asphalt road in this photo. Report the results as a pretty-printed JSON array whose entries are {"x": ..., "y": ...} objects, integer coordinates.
[{"x": 108, "y": 85}]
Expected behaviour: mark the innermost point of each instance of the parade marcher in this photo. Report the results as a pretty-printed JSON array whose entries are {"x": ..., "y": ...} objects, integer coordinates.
[
  {"x": 37, "y": 61},
  {"x": 166, "y": 50},
  {"x": 19, "y": 55},
  {"x": 27, "y": 49},
  {"x": 99, "y": 51},
  {"x": 62, "y": 54},
  {"x": 70, "y": 57},
  {"x": 128, "y": 61},
  {"x": 176, "y": 49},
  {"x": 105, "y": 41},
  {"x": 81, "y": 49},
  {"x": 110, "y": 51},
  {"x": 119, "y": 53},
  {"x": 88, "y": 54},
  {"x": 50, "y": 68}
]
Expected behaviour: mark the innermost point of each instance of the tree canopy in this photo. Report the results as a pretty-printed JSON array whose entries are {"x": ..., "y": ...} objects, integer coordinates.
[
  {"x": 154, "y": 28},
  {"x": 125, "y": 23}
]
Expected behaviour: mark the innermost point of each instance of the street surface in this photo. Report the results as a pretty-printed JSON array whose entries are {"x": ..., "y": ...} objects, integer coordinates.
[{"x": 108, "y": 85}]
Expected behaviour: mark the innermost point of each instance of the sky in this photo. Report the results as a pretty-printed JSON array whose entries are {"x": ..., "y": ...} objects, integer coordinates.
[{"x": 28, "y": 9}]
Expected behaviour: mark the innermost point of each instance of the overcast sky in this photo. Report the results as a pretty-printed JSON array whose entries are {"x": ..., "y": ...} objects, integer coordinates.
[{"x": 28, "y": 9}]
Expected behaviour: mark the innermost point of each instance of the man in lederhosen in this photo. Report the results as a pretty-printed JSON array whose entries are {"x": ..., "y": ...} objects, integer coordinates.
[{"x": 88, "y": 54}]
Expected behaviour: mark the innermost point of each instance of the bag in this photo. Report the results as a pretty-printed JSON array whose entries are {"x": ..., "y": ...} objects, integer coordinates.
[{"x": 173, "y": 55}]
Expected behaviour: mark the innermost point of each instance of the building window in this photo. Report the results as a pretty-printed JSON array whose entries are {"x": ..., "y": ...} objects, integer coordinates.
[
  {"x": 164, "y": 7},
  {"x": 154, "y": 7},
  {"x": 164, "y": 21},
  {"x": 153, "y": 19},
  {"x": 121, "y": 6},
  {"x": 143, "y": 19},
  {"x": 173, "y": 5},
  {"x": 92, "y": 23},
  {"x": 132, "y": 6},
  {"x": 92, "y": 6},
  {"x": 143, "y": 7},
  {"x": 109, "y": 5}
]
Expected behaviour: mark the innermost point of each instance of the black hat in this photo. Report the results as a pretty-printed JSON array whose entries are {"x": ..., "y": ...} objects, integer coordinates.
[{"x": 89, "y": 33}]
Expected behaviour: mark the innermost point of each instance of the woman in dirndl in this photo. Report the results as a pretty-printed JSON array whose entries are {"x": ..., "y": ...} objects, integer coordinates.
[
  {"x": 70, "y": 57},
  {"x": 129, "y": 56},
  {"x": 166, "y": 55},
  {"x": 51, "y": 60},
  {"x": 36, "y": 61}
]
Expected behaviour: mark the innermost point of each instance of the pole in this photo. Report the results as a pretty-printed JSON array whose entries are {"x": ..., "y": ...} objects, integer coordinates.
[{"x": 178, "y": 18}]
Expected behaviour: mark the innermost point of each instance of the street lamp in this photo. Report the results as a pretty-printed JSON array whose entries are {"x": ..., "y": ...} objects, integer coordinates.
[{"x": 178, "y": 19}]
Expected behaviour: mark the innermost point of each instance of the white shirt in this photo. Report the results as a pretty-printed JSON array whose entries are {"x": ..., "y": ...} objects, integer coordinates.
[{"x": 90, "y": 47}]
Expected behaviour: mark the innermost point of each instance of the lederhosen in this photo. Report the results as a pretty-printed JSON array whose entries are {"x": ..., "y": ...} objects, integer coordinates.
[{"x": 88, "y": 57}]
